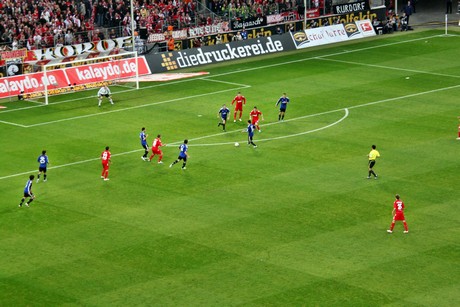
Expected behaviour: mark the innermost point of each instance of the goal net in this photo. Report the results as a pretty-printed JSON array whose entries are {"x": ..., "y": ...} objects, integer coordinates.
[{"x": 120, "y": 71}]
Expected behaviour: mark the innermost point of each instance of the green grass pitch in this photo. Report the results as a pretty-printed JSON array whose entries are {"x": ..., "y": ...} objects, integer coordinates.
[{"x": 293, "y": 222}]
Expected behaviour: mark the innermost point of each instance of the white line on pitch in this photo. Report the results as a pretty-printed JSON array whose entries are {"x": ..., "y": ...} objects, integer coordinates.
[
  {"x": 241, "y": 71},
  {"x": 14, "y": 124},
  {"x": 129, "y": 108},
  {"x": 284, "y": 136},
  {"x": 200, "y": 138},
  {"x": 390, "y": 67}
]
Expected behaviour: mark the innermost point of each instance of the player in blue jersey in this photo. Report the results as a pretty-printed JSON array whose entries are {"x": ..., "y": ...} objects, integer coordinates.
[
  {"x": 43, "y": 164},
  {"x": 143, "y": 137},
  {"x": 183, "y": 154},
  {"x": 223, "y": 114},
  {"x": 28, "y": 192},
  {"x": 283, "y": 101},
  {"x": 250, "y": 130}
]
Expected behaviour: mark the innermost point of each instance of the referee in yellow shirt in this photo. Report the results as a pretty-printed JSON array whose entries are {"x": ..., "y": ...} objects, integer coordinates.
[{"x": 373, "y": 155}]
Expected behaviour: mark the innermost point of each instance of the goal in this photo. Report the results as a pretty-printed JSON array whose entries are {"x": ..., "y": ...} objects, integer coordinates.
[{"x": 119, "y": 70}]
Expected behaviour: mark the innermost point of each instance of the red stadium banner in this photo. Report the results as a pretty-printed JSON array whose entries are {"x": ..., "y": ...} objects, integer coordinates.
[{"x": 57, "y": 80}]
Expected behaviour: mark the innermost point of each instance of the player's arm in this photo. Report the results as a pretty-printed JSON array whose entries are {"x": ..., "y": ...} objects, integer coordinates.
[{"x": 393, "y": 212}]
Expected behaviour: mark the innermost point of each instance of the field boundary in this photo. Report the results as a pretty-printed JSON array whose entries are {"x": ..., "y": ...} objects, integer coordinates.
[{"x": 209, "y": 78}]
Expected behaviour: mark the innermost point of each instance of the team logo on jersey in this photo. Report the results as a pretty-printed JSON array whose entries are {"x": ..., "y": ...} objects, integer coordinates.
[
  {"x": 351, "y": 29},
  {"x": 168, "y": 62}
]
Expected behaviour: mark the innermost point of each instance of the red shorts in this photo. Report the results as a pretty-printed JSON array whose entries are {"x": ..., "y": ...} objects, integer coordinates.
[
  {"x": 399, "y": 217},
  {"x": 255, "y": 121},
  {"x": 239, "y": 107},
  {"x": 105, "y": 166},
  {"x": 156, "y": 151}
]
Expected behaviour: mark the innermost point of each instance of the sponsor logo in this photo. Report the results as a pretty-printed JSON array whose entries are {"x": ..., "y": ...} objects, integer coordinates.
[
  {"x": 226, "y": 52},
  {"x": 351, "y": 7},
  {"x": 366, "y": 27},
  {"x": 168, "y": 61},
  {"x": 59, "y": 80},
  {"x": 351, "y": 29}
]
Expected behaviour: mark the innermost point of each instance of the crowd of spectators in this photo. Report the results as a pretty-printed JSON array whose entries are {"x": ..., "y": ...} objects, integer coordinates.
[
  {"x": 37, "y": 24},
  {"x": 250, "y": 8}
]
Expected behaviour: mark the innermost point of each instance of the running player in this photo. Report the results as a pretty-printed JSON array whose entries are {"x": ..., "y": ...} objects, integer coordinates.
[
  {"x": 255, "y": 116},
  {"x": 239, "y": 101}
]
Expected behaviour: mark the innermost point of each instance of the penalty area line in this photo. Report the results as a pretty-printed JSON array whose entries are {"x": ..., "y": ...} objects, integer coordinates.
[{"x": 284, "y": 136}]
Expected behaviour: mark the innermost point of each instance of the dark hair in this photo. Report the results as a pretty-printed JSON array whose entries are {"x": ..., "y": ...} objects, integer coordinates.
[
  {"x": 143, "y": 128},
  {"x": 31, "y": 177},
  {"x": 43, "y": 152},
  {"x": 374, "y": 147},
  {"x": 397, "y": 196},
  {"x": 106, "y": 147},
  {"x": 185, "y": 141}
]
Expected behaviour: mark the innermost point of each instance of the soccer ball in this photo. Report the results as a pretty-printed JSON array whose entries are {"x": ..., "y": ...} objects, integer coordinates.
[{"x": 237, "y": 144}]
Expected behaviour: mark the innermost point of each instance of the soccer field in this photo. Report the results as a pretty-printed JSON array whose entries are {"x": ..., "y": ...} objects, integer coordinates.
[{"x": 293, "y": 222}]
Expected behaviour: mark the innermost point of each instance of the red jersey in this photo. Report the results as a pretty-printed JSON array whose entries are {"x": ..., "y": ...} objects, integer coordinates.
[
  {"x": 105, "y": 157},
  {"x": 255, "y": 115},
  {"x": 156, "y": 144},
  {"x": 398, "y": 206},
  {"x": 239, "y": 99}
]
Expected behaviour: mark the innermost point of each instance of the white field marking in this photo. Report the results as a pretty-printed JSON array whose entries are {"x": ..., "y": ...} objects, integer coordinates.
[
  {"x": 128, "y": 108},
  {"x": 319, "y": 57},
  {"x": 70, "y": 164},
  {"x": 278, "y": 137},
  {"x": 124, "y": 91},
  {"x": 200, "y": 138},
  {"x": 268, "y": 124},
  {"x": 391, "y": 68},
  {"x": 14, "y": 124},
  {"x": 240, "y": 71}
]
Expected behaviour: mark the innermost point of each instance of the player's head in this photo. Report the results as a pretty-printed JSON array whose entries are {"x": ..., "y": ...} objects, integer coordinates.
[
  {"x": 43, "y": 152},
  {"x": 159, "y": 136},
  {"x": 238, "y": 94},
  {"x": 374, "y": 147},
  {"x": 185, "y": 141},
  {"x": 143, "y": 129},
  {"x": 224, "y": 106},
  {"x": 284, "y": 94},
  {"x": 397, "y": 196},
  {"x": 31, "y": 177},
  {"x": 249, "y": 121},
  {"x": 106, "y": 147},
  {"x": 255, "y": 108}
]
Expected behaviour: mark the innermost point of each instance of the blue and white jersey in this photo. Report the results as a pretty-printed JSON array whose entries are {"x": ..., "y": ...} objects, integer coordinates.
[
  {"x": 183, "y": 150},
  {"x": 143, "y": 138},
  {"x": 43, "y": 160},
  {"x": 28, "y": 187},
  {"x": 224, "y": 112},
  {"x": 251, "y": 129},
  {"x": 283, "y": 101}
]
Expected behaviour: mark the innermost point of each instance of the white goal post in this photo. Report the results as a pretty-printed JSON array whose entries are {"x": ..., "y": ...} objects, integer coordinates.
[{"x": 90, "y": 73}]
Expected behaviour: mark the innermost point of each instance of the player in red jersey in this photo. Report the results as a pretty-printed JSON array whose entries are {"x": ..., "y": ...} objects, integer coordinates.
[
  {"x": 398, "y": 214},
  {"x": 239, "y": 101},
  {"x": 254, "y": 116},
  {"x": 156, "y": 149},
  {"x": 105, "y": 158}
]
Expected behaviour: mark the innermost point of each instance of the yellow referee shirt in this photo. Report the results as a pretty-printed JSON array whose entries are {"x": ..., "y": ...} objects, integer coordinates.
[{"x": 374, "y": 154}]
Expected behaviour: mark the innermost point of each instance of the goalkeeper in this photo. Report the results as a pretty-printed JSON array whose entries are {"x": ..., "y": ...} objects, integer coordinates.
[{"x": 104, "y": 92}]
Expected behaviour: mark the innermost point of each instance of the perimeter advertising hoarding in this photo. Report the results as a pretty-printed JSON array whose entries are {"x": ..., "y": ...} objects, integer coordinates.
[
  {"x": 58, "y": 81},
  {"x": 333, "y": 34},
  {"x": 167, "y": 61}
]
